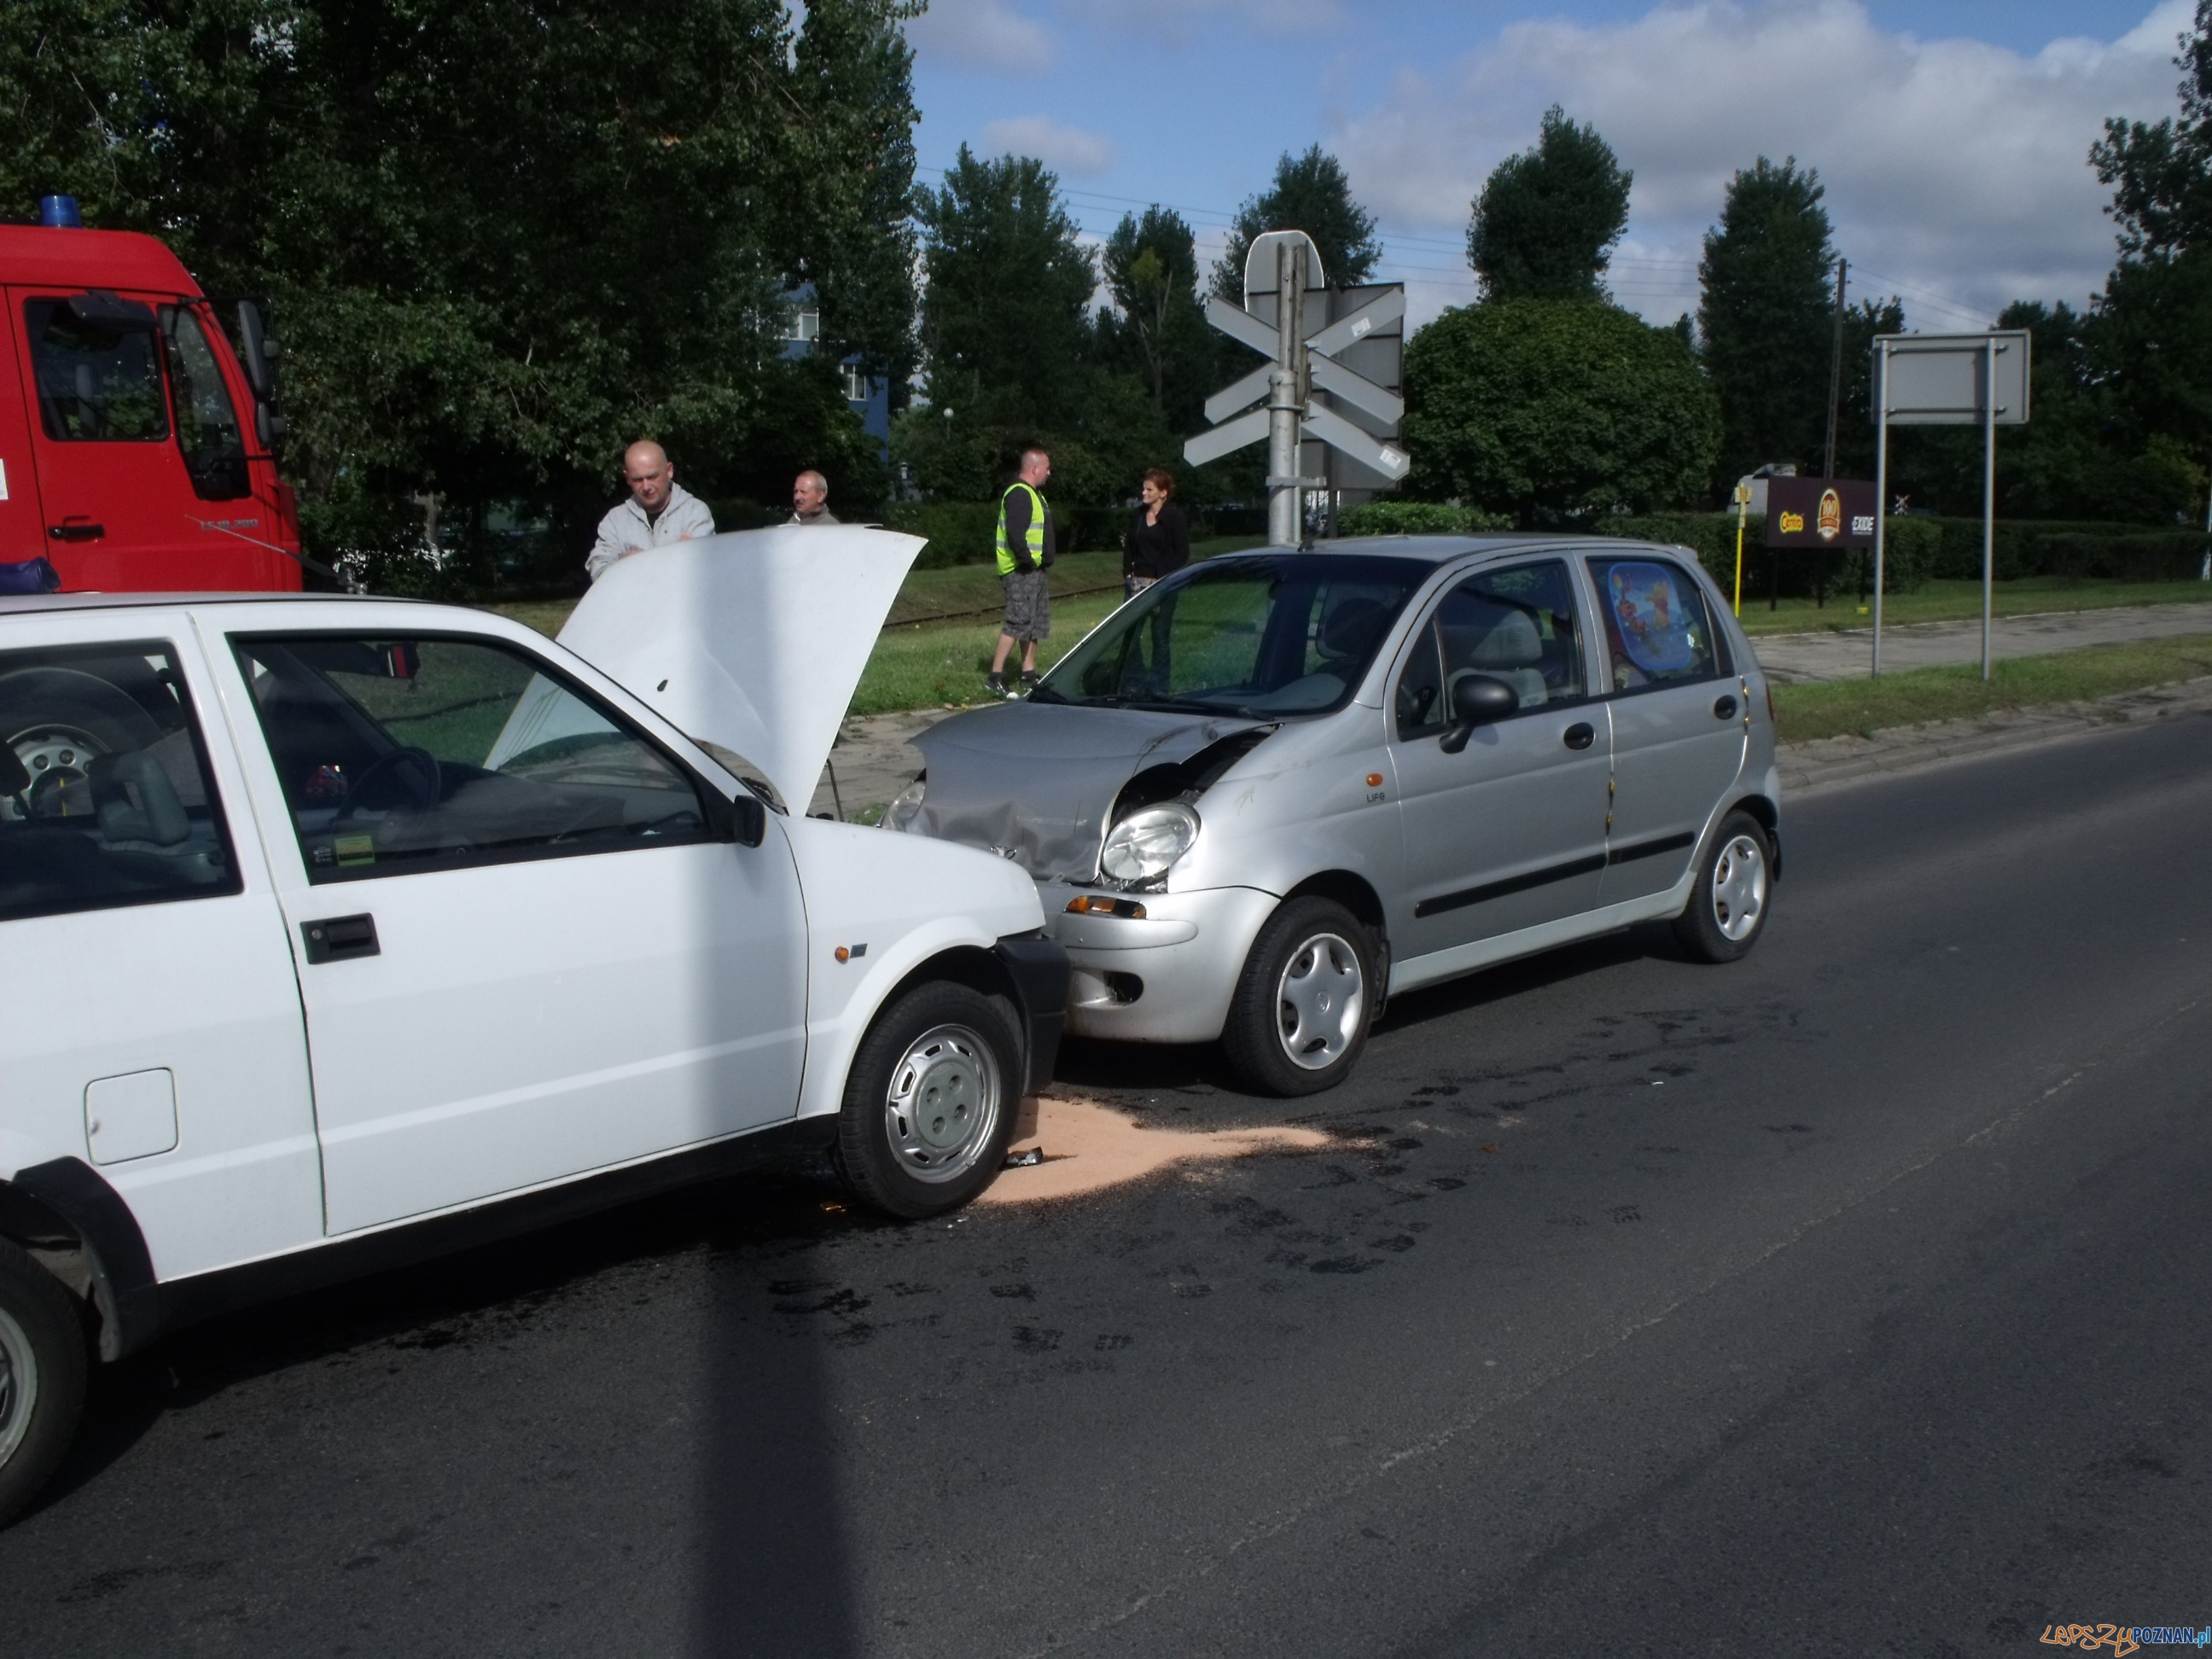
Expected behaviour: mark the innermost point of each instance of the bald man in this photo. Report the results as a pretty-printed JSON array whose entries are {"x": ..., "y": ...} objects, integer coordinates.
[
  {"x": 810, "y": 500},
  {"x": 659, "y": 511}
]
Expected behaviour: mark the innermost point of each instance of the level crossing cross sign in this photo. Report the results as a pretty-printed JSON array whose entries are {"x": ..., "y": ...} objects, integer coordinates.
[{"x": 1312, "y": 378}]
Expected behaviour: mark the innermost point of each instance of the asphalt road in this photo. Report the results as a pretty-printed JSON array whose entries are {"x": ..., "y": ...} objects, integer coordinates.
[{"x": 1849, "y": 1300}]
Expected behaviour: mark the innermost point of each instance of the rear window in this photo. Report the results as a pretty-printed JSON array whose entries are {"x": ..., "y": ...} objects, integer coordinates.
[
  {"x": 105, "y": 796},
  {"x": 1656, "y": 630}
]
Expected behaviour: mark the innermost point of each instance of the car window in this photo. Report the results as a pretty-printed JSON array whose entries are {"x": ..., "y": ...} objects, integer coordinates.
[
  {"x": 1656, "y": 630},
  {"x": 1517, "y": 625},
  {"x": 97, "y": 368},
  {"x": 208, "y": 431},
  {"x": 103, "y": 791},
  {"x": 1270, "y": 634},
  {"x": 402, "y": 754}
]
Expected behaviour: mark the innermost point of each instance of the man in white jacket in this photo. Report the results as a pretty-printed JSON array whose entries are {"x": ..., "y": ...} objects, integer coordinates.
[{"x": 659, "y": 511}]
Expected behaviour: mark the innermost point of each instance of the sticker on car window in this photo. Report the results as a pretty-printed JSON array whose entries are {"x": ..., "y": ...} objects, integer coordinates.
[{"x": 1656, "y": 629}]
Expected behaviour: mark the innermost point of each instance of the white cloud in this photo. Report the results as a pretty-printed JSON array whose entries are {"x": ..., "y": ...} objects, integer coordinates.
[
  {"x": 981, "y": 34},
  {"x": 1067, "y": 149},
  {"x": 1174, "y": 21},
  {"x": 1956, "y": 170}
]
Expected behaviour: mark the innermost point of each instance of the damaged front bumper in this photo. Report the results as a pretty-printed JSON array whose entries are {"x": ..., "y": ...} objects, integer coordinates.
[{"x": 1167, "y": 977}]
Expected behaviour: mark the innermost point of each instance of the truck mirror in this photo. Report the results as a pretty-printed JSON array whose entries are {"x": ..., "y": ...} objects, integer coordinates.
[{"x": 259, "y": 355}]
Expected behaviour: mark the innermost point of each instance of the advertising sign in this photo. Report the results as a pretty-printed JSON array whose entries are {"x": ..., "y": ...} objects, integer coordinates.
[{"x": 1818, "y": 513}]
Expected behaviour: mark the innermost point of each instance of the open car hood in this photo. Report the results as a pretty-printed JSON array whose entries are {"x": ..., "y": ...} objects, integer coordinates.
[
  {"x": 753, "y": 642},
  {"x": 1036, "y": 782}
]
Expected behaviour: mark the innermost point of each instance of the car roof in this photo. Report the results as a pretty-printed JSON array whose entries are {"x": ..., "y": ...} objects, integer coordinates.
[
  {"x": 1436, "y": 550},
  {"x": 48, "y": 256},
  {"x": 22, "y": 604}
]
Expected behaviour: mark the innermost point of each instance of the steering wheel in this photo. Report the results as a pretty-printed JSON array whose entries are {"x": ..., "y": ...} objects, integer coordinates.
[{"x": 415, "y": 771}]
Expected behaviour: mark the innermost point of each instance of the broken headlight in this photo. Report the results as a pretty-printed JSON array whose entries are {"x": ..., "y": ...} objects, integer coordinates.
[{"x": 1147, "y": 843}]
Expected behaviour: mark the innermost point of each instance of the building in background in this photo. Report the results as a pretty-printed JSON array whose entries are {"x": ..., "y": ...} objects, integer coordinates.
[{"x": 869, "y": 394}]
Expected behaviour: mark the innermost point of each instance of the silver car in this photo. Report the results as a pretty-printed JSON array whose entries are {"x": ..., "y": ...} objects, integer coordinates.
[{"x": 1280, "y": 786}]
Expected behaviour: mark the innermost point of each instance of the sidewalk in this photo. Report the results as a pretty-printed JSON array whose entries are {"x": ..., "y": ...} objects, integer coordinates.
[{"x": 1792, "y": 658}]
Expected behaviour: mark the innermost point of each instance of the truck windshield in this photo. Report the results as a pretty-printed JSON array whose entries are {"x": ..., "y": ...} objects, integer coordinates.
[
  {"x": 1274, "y": 634},
  {"x": 99, "y": 371},
  {"x": 208, "y": 431}
]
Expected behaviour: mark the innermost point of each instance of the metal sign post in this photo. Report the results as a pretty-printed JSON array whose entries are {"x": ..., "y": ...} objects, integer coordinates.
[
  {"x": 1303, "y": 369},
  {"x": 1947, "y": 379}
]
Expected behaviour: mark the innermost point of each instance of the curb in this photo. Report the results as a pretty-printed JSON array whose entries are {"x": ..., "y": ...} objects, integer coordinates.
[{"x": 1827, "y": 763}]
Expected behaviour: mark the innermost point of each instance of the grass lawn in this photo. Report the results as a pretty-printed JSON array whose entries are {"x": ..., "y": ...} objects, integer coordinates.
[
  {"x": 1961, "y": 601},
  {"x": 1834, "y": 708}
]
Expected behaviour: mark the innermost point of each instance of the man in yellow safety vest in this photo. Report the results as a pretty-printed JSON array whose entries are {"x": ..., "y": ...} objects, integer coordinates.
[{"x": 1025, "y": 553}]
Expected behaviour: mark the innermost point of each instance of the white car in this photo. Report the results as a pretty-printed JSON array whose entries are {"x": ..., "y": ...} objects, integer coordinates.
[{"x": 334, "y": 933}]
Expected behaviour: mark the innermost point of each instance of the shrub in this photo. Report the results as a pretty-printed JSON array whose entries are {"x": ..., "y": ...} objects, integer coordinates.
[{"x": 1396, "y": 518}]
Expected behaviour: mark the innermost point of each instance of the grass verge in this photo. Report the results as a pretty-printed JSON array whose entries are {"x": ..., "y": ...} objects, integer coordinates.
[
  {"x": 1834, "y": 709},
  {"x": 1959, "y": 601}
]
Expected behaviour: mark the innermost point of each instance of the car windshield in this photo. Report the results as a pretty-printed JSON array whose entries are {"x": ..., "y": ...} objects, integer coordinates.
[{"x": 1276, "y": 634}]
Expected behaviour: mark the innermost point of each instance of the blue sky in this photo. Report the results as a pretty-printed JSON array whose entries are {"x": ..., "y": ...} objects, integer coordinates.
[{"x": 1951, "y": 134}]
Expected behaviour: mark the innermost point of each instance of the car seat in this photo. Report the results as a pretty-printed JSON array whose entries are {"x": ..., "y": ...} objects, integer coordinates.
[{"x": 1512, "y": 651}]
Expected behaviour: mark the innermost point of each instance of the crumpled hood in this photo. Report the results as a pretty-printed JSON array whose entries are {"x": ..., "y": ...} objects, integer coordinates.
[
  {"x": 1035, "y": 781},
  {"x": 752, "y": 640}
]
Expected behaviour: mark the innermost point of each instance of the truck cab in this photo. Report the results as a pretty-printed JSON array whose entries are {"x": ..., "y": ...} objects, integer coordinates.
[{"x": 134, "y": 441}]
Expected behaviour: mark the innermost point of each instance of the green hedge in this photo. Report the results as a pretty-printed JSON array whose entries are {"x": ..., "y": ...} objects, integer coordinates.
[
  {"x": 1908, "y": 557},
  {"x": 2046, "y": 547},
  {"x": 1395, "y": 517}
]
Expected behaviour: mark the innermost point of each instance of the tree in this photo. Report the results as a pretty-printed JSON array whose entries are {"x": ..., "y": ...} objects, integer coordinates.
[
  {"x": 1310, "y": 193},
  {"x": 1546, "y": 221},
  {"x": 1151, "y": 267},
  {"x": 1556, "y": 412},
  {"x": 1764, "y": 318},
  {"x": 1005, "y": 322},
  {"x": 485, "y": 294}
]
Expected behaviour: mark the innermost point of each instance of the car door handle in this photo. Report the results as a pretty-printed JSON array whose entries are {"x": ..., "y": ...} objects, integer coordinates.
[
  {"x": 1724, "y": 709},
  {"x": 1581, "y": 735},
  {"x": 340, "y": 938},
  {"x": 77, "y": 532}
]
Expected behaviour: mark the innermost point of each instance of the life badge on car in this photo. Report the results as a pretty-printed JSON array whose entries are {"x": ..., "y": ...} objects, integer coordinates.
[{"x": 1375, "y": 791}]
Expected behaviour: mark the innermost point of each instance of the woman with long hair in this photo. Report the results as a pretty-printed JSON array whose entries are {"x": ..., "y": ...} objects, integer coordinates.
[{"x": 1159, "y": 538}]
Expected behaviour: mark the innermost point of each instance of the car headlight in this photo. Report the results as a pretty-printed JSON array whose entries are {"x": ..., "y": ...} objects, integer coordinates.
[
  {"x": 903, "y": 810},
  {"x": 1144, "y": 844}
]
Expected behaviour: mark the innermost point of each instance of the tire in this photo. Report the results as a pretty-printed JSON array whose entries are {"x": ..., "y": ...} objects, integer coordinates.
[
  {"x": 1734, "y": 891},
  {"x": 1305, "y": 1002},
  {"x": 42, "y": 1377},
  {"x": 930, "y": 1101}
]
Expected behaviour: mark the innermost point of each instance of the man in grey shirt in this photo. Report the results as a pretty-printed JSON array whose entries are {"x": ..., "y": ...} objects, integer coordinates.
[
  {"x": 810, "y": 500},
  {"x": 659, "y": 511}
]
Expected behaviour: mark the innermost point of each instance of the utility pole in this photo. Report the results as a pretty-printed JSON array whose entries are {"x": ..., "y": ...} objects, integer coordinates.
[
  {"x": 1835, "y": 372},
  {"x": 1287, "y": 400}
]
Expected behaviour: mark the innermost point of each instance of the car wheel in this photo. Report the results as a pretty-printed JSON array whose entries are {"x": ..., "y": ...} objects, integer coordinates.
[
  {"x": 1729, "y": 901},
  {"x": 1304, "y": 1002},
  {"x": 929, "y": 1103},
  {"x": 42, "y": 1374}
]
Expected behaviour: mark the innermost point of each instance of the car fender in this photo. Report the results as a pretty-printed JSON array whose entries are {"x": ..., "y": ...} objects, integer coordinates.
[{"x": 891, "y": 903}]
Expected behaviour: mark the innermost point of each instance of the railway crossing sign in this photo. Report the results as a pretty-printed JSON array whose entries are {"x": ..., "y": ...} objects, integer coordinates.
[{"x": 1329, "y": 382}]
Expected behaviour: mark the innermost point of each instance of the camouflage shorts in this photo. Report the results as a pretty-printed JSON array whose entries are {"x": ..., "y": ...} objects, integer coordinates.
[{"x": 1029, "y": 605}]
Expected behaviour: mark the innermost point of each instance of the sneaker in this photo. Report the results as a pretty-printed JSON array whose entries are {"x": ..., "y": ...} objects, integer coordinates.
[
  {"x": 995, "y": 685},
  {"x": 1029, "y": 682}
]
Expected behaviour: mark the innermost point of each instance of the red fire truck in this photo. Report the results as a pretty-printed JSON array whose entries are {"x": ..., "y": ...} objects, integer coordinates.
[{"x": 134, "y": 443}]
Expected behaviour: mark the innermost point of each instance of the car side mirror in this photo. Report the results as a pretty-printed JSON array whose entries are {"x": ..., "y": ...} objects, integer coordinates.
[
  {"x": 1476, "y": 700},
  {"x": 748, "y": 821}
]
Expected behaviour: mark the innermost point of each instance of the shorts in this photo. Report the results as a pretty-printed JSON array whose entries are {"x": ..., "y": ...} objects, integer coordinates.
[{"x": 1029, "y": 605}]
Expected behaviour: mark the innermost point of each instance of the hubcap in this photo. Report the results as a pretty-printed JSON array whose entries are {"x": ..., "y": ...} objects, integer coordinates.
[
  {"x": 19, "y": 1385},
  {"x": 943, "y": 1103},
  {"x": 1319, "y": 1001},
  {"x": 1740, "y": 888}
]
